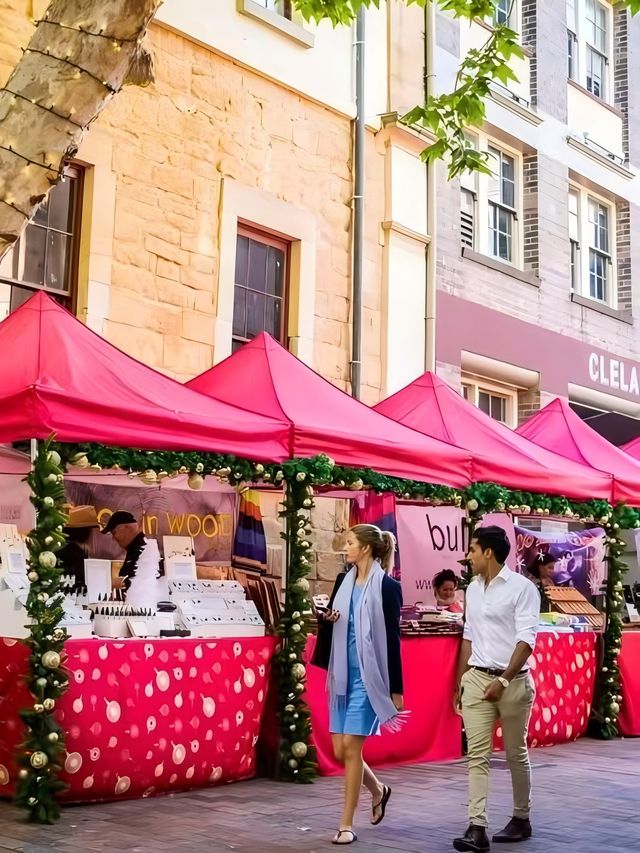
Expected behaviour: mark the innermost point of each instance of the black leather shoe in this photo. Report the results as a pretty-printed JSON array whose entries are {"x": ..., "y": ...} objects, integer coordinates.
[
  {"x": 474, "y": 839},
  {"x": 518, "y": 829}
]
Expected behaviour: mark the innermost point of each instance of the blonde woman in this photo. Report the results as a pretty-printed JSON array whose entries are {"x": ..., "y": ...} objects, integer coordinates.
[{"x": 359, "y": 645}]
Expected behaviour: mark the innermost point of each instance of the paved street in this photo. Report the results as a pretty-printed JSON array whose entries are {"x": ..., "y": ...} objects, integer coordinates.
[{"x": 586, "y": 800}]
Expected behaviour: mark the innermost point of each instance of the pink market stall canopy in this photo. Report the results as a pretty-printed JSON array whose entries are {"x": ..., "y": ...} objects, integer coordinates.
[{"x": 57, "y": 376}]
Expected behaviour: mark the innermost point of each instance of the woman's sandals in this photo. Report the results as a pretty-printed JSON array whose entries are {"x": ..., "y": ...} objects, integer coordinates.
[{"x": 344, "y": 836}]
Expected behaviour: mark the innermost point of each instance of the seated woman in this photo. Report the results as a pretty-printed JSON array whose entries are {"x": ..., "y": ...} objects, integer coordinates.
[
  {"x": 542, "y": 574},
  {"x": 445, "y": 584}
]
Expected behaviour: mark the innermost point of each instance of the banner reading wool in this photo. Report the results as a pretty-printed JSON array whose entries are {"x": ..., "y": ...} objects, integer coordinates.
[{"x": 208, "y": 517}]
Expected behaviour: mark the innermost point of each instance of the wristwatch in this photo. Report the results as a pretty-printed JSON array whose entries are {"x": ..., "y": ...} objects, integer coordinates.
[{"x": 503, "y": 681}]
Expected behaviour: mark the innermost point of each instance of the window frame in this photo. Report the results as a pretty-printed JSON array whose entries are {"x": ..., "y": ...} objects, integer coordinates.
[
  {"x": 477, "y": 385},
  {"x": 582, "y": 284},
  {"x": 268, "y": 238},
  {"x": 69, "y": 298},
  {"x": 478, "y": 185},
  {"x": 587, "y": 50}
]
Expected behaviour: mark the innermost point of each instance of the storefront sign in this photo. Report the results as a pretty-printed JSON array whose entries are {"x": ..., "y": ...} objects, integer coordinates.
[
  {"x": 613, "y": 373},
  {"x": 430, "y": 539},
  {"x": 207, "y": 517}
]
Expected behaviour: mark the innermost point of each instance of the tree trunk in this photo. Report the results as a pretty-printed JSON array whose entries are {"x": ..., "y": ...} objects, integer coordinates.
[{"x": 81, "y": 53}]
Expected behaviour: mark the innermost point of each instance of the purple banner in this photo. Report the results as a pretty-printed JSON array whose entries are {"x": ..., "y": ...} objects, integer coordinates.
[{"x": 580, "y": 556}]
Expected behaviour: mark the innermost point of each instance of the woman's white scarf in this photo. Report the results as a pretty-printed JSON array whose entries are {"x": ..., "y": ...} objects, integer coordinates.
[{"x": 371, "y": 645}]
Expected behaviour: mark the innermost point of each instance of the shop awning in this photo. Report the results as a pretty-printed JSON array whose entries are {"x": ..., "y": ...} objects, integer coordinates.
[
  {"x": 57, "y": 376},
  {"x": 557, "y": 427},
  {"x": 499, "y": 455},
  {"x": 265, "y": 377},
  {"x": 632, "y": 448}
]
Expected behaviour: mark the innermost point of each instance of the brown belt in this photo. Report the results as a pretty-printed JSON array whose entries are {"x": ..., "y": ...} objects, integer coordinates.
[{"x": 497, "y": 673}]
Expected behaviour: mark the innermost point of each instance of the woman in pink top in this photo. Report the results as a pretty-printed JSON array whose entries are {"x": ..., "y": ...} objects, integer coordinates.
[{"x": 445, "y": 585}]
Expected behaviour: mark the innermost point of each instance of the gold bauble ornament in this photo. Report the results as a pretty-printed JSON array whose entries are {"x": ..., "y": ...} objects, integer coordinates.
[
  {"x": 195, "y": 481},
  {"x": 39, "y": 760},
  {"x": 51, "y": 660},
  {"x": 49, "y": 704}
]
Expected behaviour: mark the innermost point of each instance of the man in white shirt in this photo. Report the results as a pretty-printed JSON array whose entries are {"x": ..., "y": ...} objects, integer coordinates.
[{"x": 501, "y": 619}]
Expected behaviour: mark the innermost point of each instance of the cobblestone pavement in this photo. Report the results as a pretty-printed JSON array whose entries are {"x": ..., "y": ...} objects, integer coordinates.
[{"x": 587, "y": 799}]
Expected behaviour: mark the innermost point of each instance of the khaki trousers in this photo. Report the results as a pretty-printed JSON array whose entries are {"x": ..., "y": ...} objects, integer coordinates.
[{"x": 480, "y": 716}]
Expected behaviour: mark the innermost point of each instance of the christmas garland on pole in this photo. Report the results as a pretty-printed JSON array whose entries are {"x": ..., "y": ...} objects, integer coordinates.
[
  {"x": 297, "y": 756},
  {"x": 42, "y": 752}
]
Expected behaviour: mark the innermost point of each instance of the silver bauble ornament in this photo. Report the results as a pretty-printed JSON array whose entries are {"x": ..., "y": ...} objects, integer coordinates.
[
  {"x": 299, "y": 688},
  {"x": 53, "y": 737},
  {"x": 289, "y": 708},
  {"x": 295, "y": 628},
  {"x": 54, "y": 457},
  {"x": 298, "y": 671},
  {"x": 41, "y": 682},
  {"x": 292, "y": 763},
  {"x": 299, "y": 749},
  {"x": 33, "y": 576},
  {"x": 48, "y": 502},
  {"x": 292, "y": 727}
]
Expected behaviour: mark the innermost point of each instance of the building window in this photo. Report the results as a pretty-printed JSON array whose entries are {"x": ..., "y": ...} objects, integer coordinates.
[
  {"x": 589, "y": 45},
  {"x": 590, "y": 223},
  {"x": 495, "y": 200},
  {"x": 260, "y": 286},
  {"x": 46, "y": 255},
  {"x": 280, "y": 7},
  {"x": 501, "y": 12},
  {"x": 498, "y": 401},
  {"x": 502, "y": 198}
]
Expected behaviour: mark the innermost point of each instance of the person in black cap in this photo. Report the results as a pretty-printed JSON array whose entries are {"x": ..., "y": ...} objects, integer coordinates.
[{"x": 127, "y": 532}]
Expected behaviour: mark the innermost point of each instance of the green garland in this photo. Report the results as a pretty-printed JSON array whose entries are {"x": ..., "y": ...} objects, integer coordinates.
[
  {"x": 297, "y": 756},
  {"x": 42, "y": 752},
  {"x": 304, "y": 476}
]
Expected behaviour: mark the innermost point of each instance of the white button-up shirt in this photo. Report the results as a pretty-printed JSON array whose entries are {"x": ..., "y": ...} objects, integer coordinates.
[{"x": 499, "y": 616}]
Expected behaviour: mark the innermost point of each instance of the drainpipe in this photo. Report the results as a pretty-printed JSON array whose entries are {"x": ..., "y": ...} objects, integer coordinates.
[
  {"x": 432, "y": 213},
  {"x": 358, "y": 209}
]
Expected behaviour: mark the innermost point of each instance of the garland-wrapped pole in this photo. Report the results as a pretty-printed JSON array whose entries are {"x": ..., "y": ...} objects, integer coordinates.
[
  {"x": 40, "y": 757},
  {"x": 297, "y": 756}
]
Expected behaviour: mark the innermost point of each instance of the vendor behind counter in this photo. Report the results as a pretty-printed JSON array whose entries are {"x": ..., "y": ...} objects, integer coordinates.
[{"x": 82, "y": 521}]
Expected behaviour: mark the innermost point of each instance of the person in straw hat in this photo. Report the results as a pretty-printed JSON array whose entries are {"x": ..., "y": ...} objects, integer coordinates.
[{"x": 81, "y": 522}]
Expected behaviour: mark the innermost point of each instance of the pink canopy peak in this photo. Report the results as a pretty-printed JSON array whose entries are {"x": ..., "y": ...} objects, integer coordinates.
[
  {"x": 265, "y": 377},
  {"x": 500, "y": 455},
  {"x": 557, "y": 427}
]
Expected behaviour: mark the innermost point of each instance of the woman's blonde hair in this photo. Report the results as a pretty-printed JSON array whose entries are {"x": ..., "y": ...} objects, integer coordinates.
[{"x": 381, "y": 542}]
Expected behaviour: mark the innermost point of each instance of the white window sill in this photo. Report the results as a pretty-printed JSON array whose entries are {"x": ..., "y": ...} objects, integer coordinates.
[
  {"x": 500, "y": 266},
  {"x": 602, "y": 308},
  {"x": 276, "y": 22}
]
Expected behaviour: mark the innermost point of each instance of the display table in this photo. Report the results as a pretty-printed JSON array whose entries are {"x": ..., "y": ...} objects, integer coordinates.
[
  {"x": 564, "y": 672},
  {"x": 143, "y": 717},
  {"x": 433, "y": 730},
  {"x": 563, "y": 666},
  {"x": 629, "y": 662}
]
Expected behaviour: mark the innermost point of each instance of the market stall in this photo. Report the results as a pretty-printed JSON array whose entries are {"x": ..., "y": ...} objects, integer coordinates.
[
  {"x": 71, "y": 382},
  {"x": 146, "y": 716},
  {"x": 564, "y": 670}
]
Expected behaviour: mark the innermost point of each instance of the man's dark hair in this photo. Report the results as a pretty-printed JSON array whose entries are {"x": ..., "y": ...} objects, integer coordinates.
[{"x": 493, "y": 537}]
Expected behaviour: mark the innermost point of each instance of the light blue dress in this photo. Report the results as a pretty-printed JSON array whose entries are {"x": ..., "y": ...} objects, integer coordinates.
[{"x": 358, "y": 717}]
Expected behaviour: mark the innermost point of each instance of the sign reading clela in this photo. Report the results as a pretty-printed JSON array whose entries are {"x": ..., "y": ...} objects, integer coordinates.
[{"x": 613, "y": 373}]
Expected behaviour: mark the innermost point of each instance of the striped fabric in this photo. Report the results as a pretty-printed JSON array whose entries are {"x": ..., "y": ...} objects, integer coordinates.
[
  {"x": 378, "y": 509},
  {"x": 250, "y": 544}
]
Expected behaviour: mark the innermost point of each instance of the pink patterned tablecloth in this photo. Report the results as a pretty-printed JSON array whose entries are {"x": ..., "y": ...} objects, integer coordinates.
[{"x": 143, "y": 717}]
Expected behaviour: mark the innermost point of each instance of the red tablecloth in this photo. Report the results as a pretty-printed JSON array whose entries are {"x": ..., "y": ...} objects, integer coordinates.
[
  {"x": 564, "y": 671},
  {"x": 563, "y": 667},
  {"x": 147, "y": 716},
  {"x": 629, "y": 661},
  {"x": 433, "y": 731}
]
